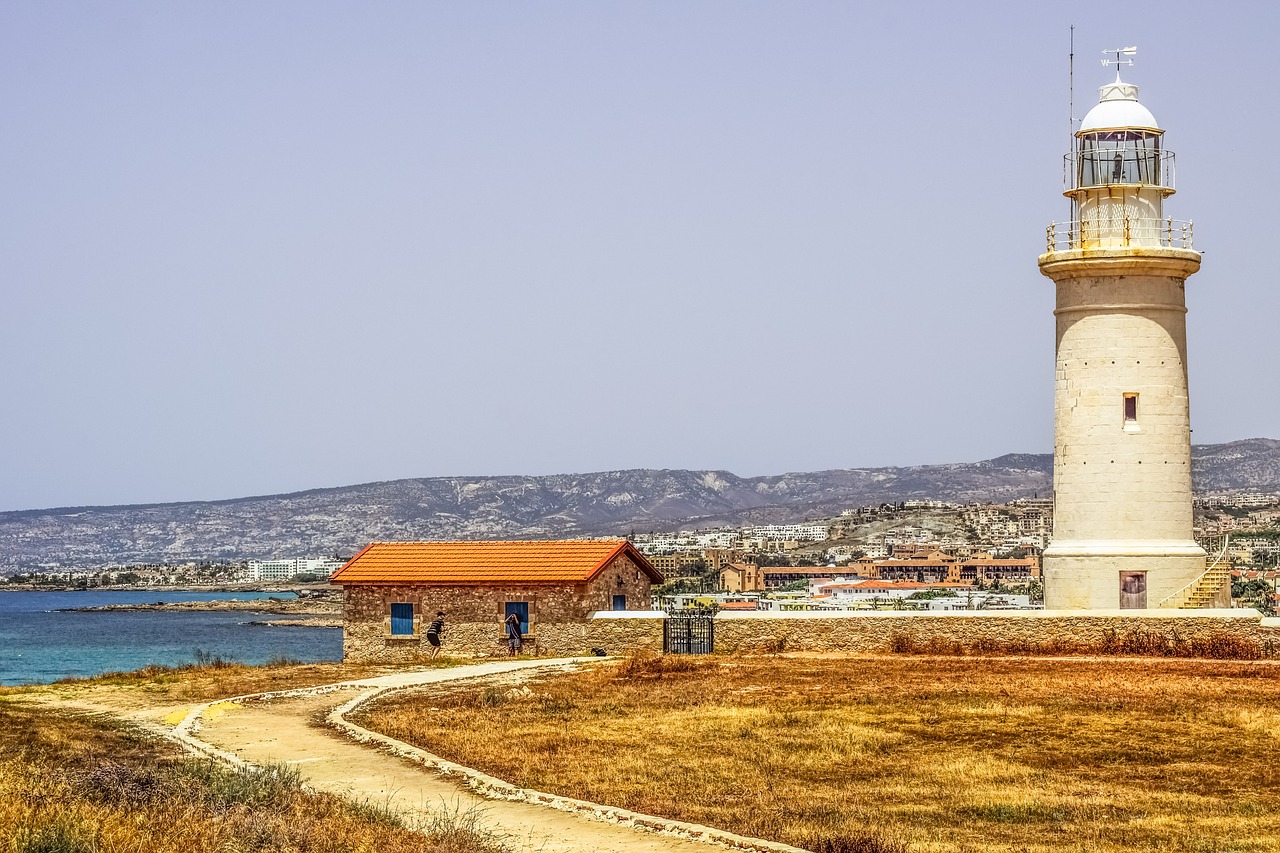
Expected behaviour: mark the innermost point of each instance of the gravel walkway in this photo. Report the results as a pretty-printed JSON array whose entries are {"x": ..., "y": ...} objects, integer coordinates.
[{"x": 282, "y": 728}]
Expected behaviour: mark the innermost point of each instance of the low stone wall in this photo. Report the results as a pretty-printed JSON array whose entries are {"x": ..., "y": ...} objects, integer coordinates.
[
  {"x": 616, "y": 636},
  {"x": 766, "y": 632},
  {"x": 369, "y": 643}
]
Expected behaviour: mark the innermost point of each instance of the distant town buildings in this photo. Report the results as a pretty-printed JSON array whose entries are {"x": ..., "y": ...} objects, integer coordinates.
[
  {"x": 787, "y": 532},
  {"x": 282, "y": 570}
]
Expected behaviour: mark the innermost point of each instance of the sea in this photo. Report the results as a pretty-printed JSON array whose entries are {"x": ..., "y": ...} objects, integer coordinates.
[{"x": 40, "y": 642}]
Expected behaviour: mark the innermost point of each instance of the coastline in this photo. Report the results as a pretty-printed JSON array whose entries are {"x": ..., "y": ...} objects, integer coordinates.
[
  {"x": 315, "y": 607},
  {"x": 300, "y": 589},
  {"x": 300, "y": 622}
]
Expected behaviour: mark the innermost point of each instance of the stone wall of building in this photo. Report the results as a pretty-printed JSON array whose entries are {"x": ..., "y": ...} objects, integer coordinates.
[
  {"x": 978, "y": 631},
  {"x": 366, "y": 643},
  {"x": 474, "y": 615}
]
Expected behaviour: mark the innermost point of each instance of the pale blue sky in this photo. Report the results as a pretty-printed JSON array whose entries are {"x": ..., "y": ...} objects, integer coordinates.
[{"x": 255, "y": 247}]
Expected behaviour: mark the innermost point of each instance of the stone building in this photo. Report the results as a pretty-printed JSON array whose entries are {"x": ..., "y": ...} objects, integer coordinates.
[
  {"x": 392, "y": 591},
  {"x": 741, "y": 577},
  {"x": 936, "y": 567}
]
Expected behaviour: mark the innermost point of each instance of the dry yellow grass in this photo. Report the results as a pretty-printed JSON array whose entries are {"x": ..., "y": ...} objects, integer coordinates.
[
  {"x": 874, "y": 754},
  {"x": 71, "y": 784}
]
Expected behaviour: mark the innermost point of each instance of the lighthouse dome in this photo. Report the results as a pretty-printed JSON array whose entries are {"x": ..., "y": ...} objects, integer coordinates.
[{"x": 1118, "y": 107}]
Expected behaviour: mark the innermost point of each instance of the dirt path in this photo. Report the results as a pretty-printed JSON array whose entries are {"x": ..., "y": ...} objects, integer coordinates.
[{"x": 285, "y": 730}]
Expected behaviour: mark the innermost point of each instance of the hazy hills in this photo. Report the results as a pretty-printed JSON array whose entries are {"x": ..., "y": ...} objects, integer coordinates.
[{"x": 325, "y": 521}]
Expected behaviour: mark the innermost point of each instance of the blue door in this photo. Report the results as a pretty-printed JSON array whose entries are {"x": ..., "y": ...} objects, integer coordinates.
[
  {"x": 521, "y": 609},
  {"x": 402, "y": 619},
  {"x": 619, "y": 602}
]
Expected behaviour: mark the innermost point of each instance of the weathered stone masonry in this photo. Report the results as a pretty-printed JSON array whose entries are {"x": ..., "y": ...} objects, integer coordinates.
[
  {"x": 868, "y": 633},
  {"x": 558, "y": 617},
  {"x": 747, "y": 633}
]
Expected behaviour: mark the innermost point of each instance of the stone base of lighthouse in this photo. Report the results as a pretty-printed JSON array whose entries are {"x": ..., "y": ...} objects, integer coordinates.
[{"x": 1101, "y": 575}]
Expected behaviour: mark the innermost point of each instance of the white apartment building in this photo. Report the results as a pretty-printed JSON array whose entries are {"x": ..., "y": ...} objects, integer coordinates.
[
  {"x": 787, "y": 532},
  {"x": 720, "y": 539},
  {"x": 283, "y": 570}
]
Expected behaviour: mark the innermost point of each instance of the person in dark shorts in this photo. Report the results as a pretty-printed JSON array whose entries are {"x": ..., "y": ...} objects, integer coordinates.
[
  {"x": 514, "y": 640},
  {"x": 435, "y": 632}
]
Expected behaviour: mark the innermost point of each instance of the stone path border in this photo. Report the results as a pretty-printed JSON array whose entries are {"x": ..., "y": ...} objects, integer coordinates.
[{"x": 479, "y": 783}]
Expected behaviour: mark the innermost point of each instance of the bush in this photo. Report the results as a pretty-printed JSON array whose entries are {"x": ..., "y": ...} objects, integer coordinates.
[
  {"x": 272, "y": 785},
  {"x": 872, "y": 842},
  {"x": 1136, "y": 643},
  {"x": 900, "y": 643},
  {"x": 59, "y": 835},
  {"x": 647, "y": 665},
  {"x": 457, "y": 830},
  {"x": 209, "y": 660}
]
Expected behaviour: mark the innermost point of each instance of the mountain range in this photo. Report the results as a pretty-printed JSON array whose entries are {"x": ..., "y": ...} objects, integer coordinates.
[{"x": 341, "y": 520}]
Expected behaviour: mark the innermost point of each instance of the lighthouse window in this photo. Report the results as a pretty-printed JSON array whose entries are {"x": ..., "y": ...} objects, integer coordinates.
[
  {"x": 1130, "y": 408},
  {"x": 1119, "y": 157}
]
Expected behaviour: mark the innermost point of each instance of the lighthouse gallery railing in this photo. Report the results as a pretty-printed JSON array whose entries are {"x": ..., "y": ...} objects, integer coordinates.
[{"x": 1118, "y": 233}]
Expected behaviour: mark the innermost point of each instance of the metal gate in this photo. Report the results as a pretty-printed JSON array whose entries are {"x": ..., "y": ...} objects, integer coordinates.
[{"x": 689, "y": 635}]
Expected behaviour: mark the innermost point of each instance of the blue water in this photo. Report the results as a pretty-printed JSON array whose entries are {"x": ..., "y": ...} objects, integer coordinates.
[{"x": 39, "y": 645}]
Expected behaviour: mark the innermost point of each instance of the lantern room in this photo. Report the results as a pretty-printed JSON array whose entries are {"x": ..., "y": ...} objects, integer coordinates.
[{"x": 1117, "y": 178}]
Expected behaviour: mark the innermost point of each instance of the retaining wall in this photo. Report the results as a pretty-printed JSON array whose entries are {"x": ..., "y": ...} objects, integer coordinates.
[
  {"x": 1031, "y": 630},
  {"x": 765, "y": 632}
]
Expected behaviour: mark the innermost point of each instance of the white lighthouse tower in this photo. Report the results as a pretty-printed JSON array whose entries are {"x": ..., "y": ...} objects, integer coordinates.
[{"x": 1122, "y": 438}]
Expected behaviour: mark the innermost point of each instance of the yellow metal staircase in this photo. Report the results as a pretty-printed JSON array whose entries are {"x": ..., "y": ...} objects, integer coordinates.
[{"x": 1211, "y": 589}]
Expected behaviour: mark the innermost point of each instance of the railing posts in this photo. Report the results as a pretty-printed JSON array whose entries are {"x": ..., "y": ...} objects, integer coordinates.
[{"x": 1099, "y": 233}]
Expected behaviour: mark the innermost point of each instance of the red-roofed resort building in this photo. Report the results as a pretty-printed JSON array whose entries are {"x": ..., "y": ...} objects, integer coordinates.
[{"x": 393, "y": 590}]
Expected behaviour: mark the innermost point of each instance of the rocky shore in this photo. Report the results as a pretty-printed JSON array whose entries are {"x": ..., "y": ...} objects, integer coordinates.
[
  {"x": 317, "y": 606},
  {"x": 302, "y": 622}
]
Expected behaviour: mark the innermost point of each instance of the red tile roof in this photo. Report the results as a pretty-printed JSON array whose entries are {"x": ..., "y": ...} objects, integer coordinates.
[{"x": 466, "y": 563}]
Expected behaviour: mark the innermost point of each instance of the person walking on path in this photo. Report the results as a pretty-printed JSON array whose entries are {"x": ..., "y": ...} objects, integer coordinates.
[
  {"x": 435, "y": 633},
  {"x": 514, "y": 640}
]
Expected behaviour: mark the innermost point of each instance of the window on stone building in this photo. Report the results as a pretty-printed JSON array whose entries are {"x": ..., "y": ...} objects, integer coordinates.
[
  {"x": 619, "y": 602},
  {"x": 401, "y": 619},
  {"x": 521, "y": 609}
]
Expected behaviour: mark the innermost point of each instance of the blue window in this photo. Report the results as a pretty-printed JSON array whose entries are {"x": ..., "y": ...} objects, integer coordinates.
[
  {"x": 619, "y": 602},
  {"x": 521, "y": 609},
  {"x": 402, "y": 619}
]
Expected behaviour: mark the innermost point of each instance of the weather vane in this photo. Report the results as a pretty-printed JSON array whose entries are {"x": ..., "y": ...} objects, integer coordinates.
[{"x": 1119, "y": 52}]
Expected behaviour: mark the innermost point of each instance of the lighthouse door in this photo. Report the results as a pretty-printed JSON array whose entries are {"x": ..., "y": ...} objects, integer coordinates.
[{"x": 1133, "y": 590}]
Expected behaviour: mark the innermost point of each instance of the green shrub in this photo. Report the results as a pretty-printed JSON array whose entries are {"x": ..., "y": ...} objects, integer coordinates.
[
  {"x": 57, "y": 835},
  {"x": 272, "y": 785}
]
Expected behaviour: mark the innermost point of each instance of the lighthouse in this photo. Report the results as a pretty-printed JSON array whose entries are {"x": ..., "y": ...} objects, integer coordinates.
[{"x": 1122, "y": 526}]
